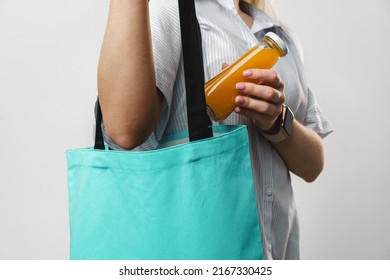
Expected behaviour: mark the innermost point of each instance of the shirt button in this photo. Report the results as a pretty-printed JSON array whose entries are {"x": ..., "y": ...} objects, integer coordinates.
[{"x": 269, "y": 191}]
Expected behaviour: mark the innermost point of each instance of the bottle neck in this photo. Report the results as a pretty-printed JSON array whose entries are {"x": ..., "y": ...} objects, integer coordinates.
[{"x": 272, "y": 44}]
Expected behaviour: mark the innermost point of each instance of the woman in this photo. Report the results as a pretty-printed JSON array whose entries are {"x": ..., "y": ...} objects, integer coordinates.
[{"x": 141, "y": 91}]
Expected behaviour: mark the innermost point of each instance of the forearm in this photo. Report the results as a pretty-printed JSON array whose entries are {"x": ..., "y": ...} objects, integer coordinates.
[
  {"x": 302, "y": 152},
  {"x": 126, "y": 81}
]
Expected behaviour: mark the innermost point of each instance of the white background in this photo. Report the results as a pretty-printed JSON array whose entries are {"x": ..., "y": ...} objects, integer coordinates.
[{"x": 48, "y": 59}]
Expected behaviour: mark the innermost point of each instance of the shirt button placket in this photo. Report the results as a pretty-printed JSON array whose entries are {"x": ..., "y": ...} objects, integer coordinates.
[
  {"x": 269, "y": 191},
  {"x": 269, "y": 251}
]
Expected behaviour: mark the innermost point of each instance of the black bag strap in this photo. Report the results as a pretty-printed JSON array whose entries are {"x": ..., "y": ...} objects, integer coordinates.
[
  {"x": 99, "y": 141},
  {"x": 199, "y": 124}
]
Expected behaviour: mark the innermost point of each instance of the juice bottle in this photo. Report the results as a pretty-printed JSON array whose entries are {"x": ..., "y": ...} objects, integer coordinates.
[{"x": 221, "y": 90}]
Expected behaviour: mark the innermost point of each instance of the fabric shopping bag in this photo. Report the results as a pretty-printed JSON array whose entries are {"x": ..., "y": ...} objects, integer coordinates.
[
  {"x": 189, "y": 201},
  {"x": 185, "y": 200}
]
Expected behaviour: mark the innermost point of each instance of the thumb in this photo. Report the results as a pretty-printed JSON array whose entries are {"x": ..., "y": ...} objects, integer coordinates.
[{"x": 224, "y": 65}]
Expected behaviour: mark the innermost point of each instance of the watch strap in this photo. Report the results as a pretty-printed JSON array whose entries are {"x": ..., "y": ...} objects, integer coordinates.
[{"x": 282, "y": 128}]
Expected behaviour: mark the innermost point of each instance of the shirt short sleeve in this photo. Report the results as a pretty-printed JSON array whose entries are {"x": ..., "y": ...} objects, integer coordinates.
[{"x": 315, "y": 118}]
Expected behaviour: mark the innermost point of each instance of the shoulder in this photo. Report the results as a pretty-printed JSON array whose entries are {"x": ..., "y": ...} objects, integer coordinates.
[
  {"x": 290, "y": 37},
  {"x": 164, "y": 11},
  {"x": 164, "y": 19}
]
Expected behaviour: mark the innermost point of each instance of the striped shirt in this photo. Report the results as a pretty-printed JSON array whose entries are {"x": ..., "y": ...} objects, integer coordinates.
[{"x": 225, "y": 37}]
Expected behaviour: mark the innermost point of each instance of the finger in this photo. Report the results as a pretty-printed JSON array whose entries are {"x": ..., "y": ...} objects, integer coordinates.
[
  {"x": 265, "y": 77},
  {"x": 262, "y": 121},
  {"x": 257, "y": 106},
  {"x": 261, "y": 92},
  {"x": 224, "y": 65}
]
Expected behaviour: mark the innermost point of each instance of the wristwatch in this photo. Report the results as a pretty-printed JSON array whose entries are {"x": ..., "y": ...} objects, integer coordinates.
[{"x": 282, "y": 128}]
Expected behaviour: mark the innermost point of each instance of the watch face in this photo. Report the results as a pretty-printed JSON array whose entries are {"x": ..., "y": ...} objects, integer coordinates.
[{"x": 289, "y": 118}]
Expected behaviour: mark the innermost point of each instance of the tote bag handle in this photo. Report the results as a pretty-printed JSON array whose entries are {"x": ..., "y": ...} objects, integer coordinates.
[{"x": 199, "y": 124}]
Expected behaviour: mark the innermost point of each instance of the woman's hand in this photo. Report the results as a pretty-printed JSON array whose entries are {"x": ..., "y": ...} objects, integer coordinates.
[{"x": 262, "y": 100}]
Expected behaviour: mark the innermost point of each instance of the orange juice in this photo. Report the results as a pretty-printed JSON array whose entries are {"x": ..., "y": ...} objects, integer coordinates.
[{"x": 221, "y": 90}]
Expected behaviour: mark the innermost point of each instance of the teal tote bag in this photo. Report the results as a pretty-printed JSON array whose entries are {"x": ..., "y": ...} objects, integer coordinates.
[{"x": 192, "y": 198}]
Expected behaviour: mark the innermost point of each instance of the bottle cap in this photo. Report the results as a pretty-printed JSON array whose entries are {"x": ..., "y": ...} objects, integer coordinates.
[{"x": 278, "y": 41}]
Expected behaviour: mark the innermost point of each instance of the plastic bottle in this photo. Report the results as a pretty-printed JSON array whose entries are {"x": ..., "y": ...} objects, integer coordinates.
[{"x": 221, "y": 90}]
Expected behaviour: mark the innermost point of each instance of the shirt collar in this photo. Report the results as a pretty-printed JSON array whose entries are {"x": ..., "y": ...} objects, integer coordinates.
[{"x": 261, "y": 20}]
